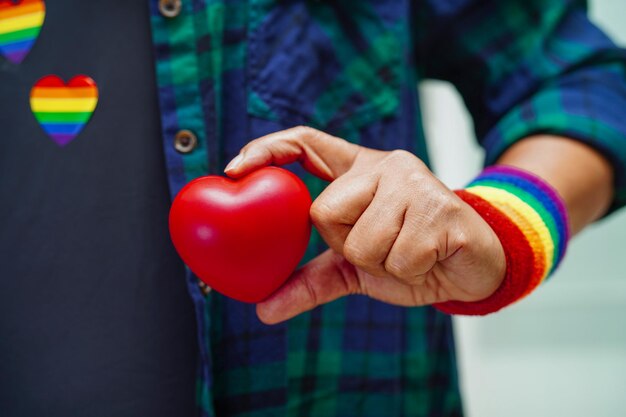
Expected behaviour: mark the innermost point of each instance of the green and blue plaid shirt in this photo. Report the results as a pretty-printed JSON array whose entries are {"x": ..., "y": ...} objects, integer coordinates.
[{"x": 233, "y": 70}]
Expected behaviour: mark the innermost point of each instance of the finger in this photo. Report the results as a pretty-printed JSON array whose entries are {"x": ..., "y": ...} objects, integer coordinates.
[
  {"x": 329, "y": 277},
  {"x": 372, "y": 237},
  {"x": 471, "y": 242},
  {"x": 340, "y": 206},
  {"x": 322, "y": 280},
  {"x": 321, "y": 154},
  {"x": 393, "y": 291},
  {"x": 416, "y": 250}
]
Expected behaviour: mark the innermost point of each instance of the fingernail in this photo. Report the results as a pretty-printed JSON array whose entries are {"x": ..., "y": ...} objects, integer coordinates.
[{"x": 234, "y": 163}]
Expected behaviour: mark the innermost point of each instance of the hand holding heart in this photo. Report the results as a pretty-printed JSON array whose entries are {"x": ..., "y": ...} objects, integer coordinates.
[{"x": 396, "y": 233}]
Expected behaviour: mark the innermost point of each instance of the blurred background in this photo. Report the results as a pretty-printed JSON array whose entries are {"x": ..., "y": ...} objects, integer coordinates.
[{"x": 562, "y": 351}]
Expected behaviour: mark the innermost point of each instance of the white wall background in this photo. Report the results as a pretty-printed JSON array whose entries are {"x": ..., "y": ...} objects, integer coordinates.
[{"x": 561, "y": 352}]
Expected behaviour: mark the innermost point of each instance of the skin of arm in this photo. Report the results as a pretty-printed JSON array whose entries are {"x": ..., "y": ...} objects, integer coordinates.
[
  {"x": 581, "y": 176},
  {"x": 396, "y": 233}
]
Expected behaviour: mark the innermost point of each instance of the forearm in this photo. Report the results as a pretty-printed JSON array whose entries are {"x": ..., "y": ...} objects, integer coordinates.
[{"x": 582, "y": 176}]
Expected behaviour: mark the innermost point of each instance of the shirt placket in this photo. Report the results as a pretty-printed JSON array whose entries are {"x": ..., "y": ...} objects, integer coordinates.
[{"x": 185, "y": 31}]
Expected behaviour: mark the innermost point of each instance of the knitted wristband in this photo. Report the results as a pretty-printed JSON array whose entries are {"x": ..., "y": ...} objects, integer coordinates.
[{"x": 530, "y": 219}]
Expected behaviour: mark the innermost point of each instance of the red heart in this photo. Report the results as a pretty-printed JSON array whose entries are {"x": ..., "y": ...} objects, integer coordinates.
[{"x": 242, "y": 237}]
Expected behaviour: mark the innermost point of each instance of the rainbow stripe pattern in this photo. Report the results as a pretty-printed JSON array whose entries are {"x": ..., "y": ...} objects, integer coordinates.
[
  {"x": 20, "y": 24},
  {"x": 531, "y": 221},
  {"x": 63, "y": 109}
]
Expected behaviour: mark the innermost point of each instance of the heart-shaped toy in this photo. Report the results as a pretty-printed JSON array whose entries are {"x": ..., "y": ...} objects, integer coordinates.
[
  {"x": 20, "y": 24},
  {"x": 62, "y": 109},
  {"x": 242, "y": 237}
]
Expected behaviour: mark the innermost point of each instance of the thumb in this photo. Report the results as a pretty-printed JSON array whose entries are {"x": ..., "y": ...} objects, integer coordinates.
[
  {"x": 321, "y": 154},
  {"x": 324, "y": 279}
]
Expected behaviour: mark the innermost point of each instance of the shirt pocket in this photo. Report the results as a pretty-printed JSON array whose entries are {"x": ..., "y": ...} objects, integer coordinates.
[{"x": 332, "y": 64}]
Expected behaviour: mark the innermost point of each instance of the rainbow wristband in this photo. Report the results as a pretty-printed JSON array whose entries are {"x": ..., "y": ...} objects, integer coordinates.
[{"x": 530, "y": 219}]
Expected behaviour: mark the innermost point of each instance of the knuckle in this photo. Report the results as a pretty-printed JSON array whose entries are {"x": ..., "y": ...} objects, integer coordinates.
[
  {"x": 426, "y": 259},
  {"x": 305, "y": 132},
  {"x": 428, "y": 252},
  {"x": 400, "y": 158},
  {"x": 397, "y": 266},
  {"x": 322, "y": 213},
  {"x": 355, "y": 254},
  {"x": 438, "y": 210},
  {"x": 305, "y": 282},
  {"x": 409, "y": 267},
  {"x": 401, "y": 154},
  {"x": 454, "y": 208}
]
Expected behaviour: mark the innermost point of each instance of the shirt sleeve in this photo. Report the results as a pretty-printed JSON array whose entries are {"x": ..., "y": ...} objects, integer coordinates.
[{"x": 530, "y": 66}]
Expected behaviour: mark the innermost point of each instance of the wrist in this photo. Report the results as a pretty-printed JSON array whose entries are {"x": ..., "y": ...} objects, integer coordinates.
[{"x": 530, "y": 220}]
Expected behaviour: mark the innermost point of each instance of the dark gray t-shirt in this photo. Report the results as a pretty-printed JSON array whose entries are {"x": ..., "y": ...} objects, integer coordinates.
[{"x": 95, "y": 319}]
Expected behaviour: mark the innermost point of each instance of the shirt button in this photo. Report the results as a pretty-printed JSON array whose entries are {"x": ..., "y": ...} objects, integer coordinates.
[
  {"x": 170, "y": 8},
  {"x": 185, "y": 141},
  {"x": 204, "y": 288}
]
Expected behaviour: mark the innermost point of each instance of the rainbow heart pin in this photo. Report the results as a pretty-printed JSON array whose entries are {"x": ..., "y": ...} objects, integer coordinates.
[
  {"x": 63, "y": 109},
  {"x": 20, "y": 24}
]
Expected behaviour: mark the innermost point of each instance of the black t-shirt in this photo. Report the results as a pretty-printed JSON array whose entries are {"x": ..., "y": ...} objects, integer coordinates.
[{"x": 95, "y": 319}]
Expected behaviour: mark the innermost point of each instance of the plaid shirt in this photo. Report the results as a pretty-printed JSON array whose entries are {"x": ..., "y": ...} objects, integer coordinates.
[{"x": 233, "y": 70}]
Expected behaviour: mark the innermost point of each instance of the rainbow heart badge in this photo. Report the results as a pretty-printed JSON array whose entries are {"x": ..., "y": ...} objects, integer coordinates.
[
  {"x": 20, "y": 24},
  {"x": 63, "y": 109}
]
